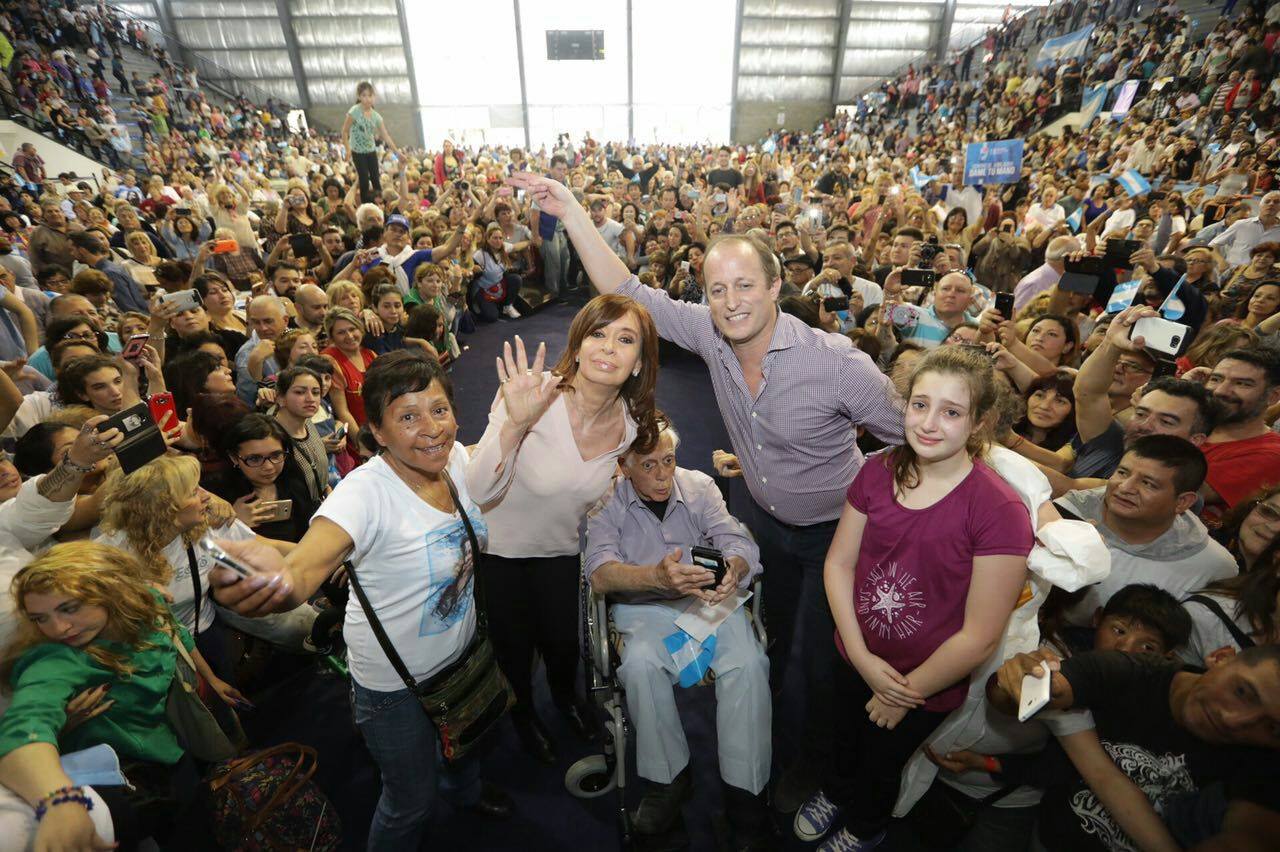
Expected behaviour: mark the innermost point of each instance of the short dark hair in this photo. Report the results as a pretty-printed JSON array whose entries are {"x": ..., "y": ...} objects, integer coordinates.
[
  {"x": 397, "y": 373},
  {"x": 318, "y": 364},
  {"x": 1264, "y": 358},
  {"x": 88, "y": 240},
  {"x": 1206, "y": 408},
  {"x": 33, "y": 453},
  {"x": 1178, "y": 454},
  {"x": 559, "y": 159},
  {"x": 908, "y": 231},
  {"x": 1155, "y": 608}
]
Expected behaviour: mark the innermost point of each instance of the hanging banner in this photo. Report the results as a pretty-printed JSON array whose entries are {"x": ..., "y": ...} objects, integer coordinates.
[{"x": 1071, "y": 45}]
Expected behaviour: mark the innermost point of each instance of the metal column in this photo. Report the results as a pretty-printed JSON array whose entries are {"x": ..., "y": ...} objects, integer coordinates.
[
  {"x": 295, "y": 56},
  {"x": 524, "y": 93},
  {"x": 737, "y": 50},
  {"x": 631, "y": 91},
  {"x": 408, "y": 65},
  {"x": 841, "y": 38},
  {"x": 944, "y": 30}
]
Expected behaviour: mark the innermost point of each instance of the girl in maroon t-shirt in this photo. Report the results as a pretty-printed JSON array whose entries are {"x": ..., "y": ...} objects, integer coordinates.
[{"x": 924, "y": 569}]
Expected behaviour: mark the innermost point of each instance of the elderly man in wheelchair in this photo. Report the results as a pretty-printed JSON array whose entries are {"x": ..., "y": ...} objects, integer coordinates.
[{"x": 639, "y": 541}]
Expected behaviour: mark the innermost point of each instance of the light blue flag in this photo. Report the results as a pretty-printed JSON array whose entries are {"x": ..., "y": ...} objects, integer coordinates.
[
  {"x": 1172, "y": 308},
  {"x": 1075, "y": 219},
  {"x": 692, "y": 659},
  {"x": 1098, "y": 179},
  {"x": 1134, "y": 183},
  {"x": 1122, "y": 296},
  {"x": 1064, "y": 47},
  {"x": 918, "y": 180}
]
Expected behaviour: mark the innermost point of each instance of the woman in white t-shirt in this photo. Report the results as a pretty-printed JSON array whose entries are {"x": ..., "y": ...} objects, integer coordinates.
[
  {"x": 395, "y": 520},
  {"x": 548, "y": 454}
]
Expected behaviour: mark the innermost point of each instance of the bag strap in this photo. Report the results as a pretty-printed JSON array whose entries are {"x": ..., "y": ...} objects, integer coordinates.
[
  {"x": 380, "y": 633},
  {"x": 195, "y": 584},
  {"x": 183, "y": 652},
  {"x": 482, "y": 623},
  {"x": 1242, "y": 639},
  {"x": 992, "y": 798}
]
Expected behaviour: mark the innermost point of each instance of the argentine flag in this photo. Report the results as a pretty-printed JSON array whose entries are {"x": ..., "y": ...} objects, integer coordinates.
[
  {"x": 1172, "y": 308},
  {"x": 692, "y": 659},
  {"x": 1122, "y": 296},
  {"x": 1075, "y": 219},
  {"x": 1134, "y": 183}
]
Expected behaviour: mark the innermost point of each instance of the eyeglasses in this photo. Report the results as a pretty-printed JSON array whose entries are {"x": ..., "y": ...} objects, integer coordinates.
[
  {"x": 82, "y": 335},
  {"x": 1268, "y": 513},
  {"x": 276, "y": 457},
  {"x": 1133, "y": 367}
]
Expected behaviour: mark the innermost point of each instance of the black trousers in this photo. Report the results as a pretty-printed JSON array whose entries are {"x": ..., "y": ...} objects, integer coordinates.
[
  {"x": 869, "y": 759},
  {"x": 532, "y": 603},
  {"x": 367, "y": 175}
]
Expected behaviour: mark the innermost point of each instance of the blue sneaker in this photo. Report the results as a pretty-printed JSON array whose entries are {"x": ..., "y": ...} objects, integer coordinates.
[
  {"x": 815, "y": 817},
  {"x": 844, "y": 841}
]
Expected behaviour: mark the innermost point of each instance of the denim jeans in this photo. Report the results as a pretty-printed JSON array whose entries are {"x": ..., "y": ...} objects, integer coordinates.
[{"x": 406, "y": 747}]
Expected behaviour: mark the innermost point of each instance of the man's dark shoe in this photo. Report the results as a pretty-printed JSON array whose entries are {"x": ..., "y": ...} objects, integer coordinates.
[
  {"x": 659, "y": 810},
  {"x": 494, "y": 803},
  {"x": 748, "y": 815}
]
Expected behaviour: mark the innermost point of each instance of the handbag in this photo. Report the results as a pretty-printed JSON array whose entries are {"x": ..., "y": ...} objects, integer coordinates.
[
  {"x": 1244, "y": 640},
  {"x": 267, "y": 801},
  {"x": 198, "y": 730},
  {"x": 943, "y": 816},
  {"x": 470, "y": 695}
]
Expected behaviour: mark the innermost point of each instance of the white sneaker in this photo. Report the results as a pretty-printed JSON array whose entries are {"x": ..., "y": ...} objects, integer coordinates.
[
  {"x": 815, "y": 817},
  {"x": 510, "y": 311}
]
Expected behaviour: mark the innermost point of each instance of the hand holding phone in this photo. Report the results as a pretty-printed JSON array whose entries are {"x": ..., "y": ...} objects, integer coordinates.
[
  {"x": 1004, "y": 304},
  {"x": 1035, "y": 694}
]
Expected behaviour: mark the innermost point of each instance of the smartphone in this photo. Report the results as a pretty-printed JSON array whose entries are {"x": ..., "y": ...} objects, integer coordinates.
[
  {"x": 832, "y": 304},
  {"x": 684, "y": 267},
  {"x": 160, "y": 404},
  {"x": 1078, "y": 282},
  {"x": 302, "y": 246},
  {"x": 781, "y": 208},
  {"x": 281, "y": 510},
  {"x": 1035, "y": 694},
  {"x": 1119, "y": 252},
  {"x": 1165, "y": 367},
  {"x": 797, "y": 194},
  {"x": 224, "y": 559},
  {"x": 185, "y": 300},
  {"x": 919, "y": 277},
  {"x": 1159, "y": 334},
  {"x": 711, "y": 559},
  {"x": 224, "y": 246},
  {"x": 340, "y": 430},
  {"x": 695, "y": 194},
  {"x": 134, "y": 347},
  {"x": 1089, "y": 265},
  {"x": 142, "y": 440},
  {"x": 1004, "y": 304},
  {"x": 720, "y": 198}
]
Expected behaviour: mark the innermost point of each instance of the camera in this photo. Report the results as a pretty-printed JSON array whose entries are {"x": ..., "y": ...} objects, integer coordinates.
[
  {"x": 929, "y": 250},
  {"x": 919, "y": 278},
  {"x": 462, "y": 185}
]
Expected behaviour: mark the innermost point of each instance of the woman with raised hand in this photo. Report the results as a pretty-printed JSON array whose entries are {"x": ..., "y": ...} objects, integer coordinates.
[
  {"x": 401, "y": 521},
  {"x": 547, "y": 456}
]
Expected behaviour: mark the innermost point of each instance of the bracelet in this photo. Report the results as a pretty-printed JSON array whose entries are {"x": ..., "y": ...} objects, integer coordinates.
[
  {"x": 990, "y": 764},
  {"x": 66, "y": 459},
  {"x": 61, "y": 796}
]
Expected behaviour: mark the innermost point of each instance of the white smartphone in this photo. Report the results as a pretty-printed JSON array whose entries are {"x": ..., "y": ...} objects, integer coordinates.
[
  {"x": 185, "y": 300},
  {"x": 1160, "y": 334},
  {"x": 1035, "y": 694}
]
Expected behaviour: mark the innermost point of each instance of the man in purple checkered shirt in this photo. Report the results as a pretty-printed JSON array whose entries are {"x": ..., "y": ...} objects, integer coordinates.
[{"x": 791, "y": 398}]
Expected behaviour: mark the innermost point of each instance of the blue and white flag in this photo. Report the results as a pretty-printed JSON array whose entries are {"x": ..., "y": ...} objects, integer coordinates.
[
  {"x": 692, "y": 658},
  {"x": 1134, "y": 183},
  {"x": 1097, "y": 179},
  {"x": 1075, "y": 219},
  {"x": 1172, "y": 308},
  {"x": 1122, "y": 297},
  {"x": 1071, "y": 45},
  {"x": 918, "y": 180},
  {"x": 1091, "y": 104}
]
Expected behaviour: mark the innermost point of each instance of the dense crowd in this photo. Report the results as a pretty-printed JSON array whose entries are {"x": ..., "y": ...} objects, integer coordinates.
[{"x": 229, "y": 429}]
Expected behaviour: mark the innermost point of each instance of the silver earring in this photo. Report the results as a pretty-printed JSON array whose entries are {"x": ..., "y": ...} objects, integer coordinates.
[{"x": 635, "y": 372}]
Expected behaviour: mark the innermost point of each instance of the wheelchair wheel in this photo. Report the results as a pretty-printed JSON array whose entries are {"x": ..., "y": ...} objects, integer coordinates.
[{"x": 590, "y": 778}]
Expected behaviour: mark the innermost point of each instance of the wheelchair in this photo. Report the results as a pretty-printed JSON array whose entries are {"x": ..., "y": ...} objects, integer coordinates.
[{"x": 600, "y": 774}]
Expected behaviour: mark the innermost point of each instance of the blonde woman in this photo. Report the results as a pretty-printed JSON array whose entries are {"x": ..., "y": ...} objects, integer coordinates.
[
  {"x": 143, "y": 259},
  {"x": 89, "y": 620},
  {"x": 159, "y": 514}
]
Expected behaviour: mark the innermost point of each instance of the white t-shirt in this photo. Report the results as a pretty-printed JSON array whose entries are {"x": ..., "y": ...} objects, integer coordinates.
[
  {"x": 612, "y": 233},
  {"x": 407, "y": 556},
  {"x": 181, "y": 587}
]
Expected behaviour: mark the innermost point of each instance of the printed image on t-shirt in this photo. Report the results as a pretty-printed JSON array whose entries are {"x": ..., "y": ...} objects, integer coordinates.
[
  {"x": 450, "y": 569},
  {"x": 1159, "y": 776},
  {"x": 888, "y": 604}
]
